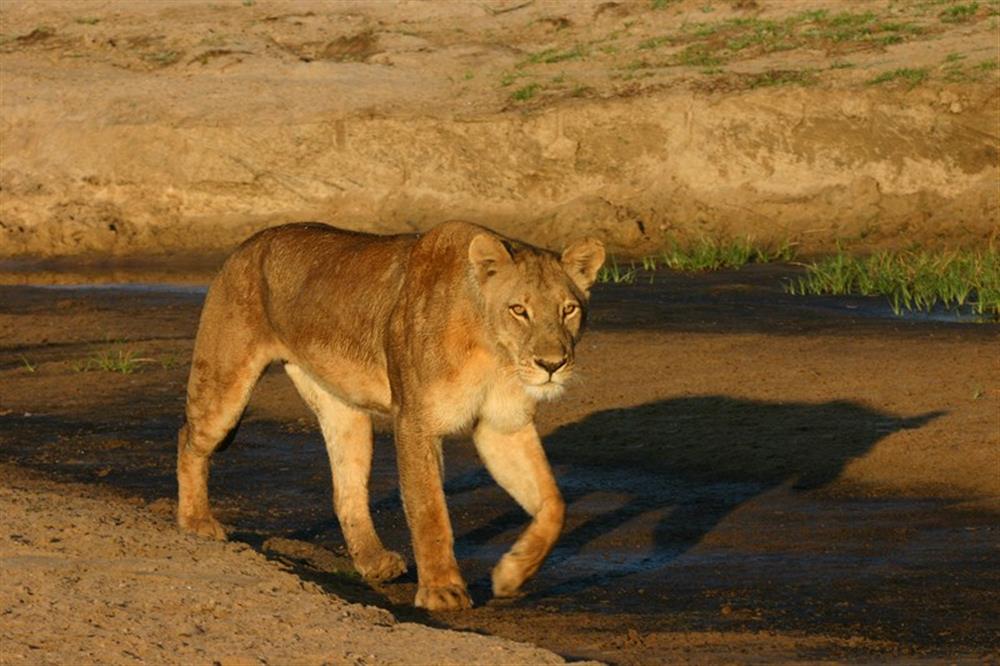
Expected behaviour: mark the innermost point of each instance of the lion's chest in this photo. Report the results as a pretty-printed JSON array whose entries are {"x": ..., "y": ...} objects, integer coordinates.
[
  {"x": 480, "y": 390},
  {"x": 506, "y": 407}
]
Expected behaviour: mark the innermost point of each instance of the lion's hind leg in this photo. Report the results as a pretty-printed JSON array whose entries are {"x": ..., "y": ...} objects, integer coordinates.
[
  {"x": 517, "y": 462},
  {"x": 229, "y": 357},
  {"x": 347, "y": 432}
]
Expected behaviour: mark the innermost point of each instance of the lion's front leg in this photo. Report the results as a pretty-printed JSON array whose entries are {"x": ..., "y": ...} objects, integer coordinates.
[
  {"x": 517, "y": 462},
  {"x": 439, "y": 582}
]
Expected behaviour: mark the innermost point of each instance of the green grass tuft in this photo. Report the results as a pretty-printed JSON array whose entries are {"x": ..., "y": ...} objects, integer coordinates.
[
  {"x": 911, "y": 280},
  {"x": 508, "y": 78},
  {"x": 703, "y": 255},
  {"x": 708, "y": 255},
  {"x": 549, "y": 56},
  {"x": 959, "y": 13},
  {"x": 913, "y": 76},
  {"x": 120, "y": 360},
  {"x": 698, "y": 55},
  {"x": 525, "y": 93},
  {"x": 612, "y": 273}
]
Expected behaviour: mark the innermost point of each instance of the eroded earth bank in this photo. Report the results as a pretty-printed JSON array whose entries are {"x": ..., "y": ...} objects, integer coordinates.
[{"x": 176, "y": 125}]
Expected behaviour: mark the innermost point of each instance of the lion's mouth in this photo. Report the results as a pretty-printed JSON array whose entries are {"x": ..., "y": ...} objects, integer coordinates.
[{"x": 546, "y": 390}]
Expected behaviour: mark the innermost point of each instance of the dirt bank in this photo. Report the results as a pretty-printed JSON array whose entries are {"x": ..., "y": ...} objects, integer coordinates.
[{"x": 134, "y": 128}]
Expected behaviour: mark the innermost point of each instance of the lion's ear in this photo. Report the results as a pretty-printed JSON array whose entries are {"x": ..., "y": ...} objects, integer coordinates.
[
  {"x": 581, "y": 261},
  {"x": 488, "y": 255}
]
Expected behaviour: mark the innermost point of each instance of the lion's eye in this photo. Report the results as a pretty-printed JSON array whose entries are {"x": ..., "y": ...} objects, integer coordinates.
[
  {"x": 570, "y": 309},
  {"x": 519, "y": 311}
]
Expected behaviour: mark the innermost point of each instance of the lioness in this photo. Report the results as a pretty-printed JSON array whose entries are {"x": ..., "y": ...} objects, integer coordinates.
[{"x": 453, "y": 328}]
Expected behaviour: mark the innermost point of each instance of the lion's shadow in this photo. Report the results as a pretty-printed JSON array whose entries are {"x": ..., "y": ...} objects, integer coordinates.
[{"x": 693, "y": 460}]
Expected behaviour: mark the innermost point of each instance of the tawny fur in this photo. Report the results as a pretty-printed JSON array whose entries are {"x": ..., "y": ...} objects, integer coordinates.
[{"x": 452, "y": 329}]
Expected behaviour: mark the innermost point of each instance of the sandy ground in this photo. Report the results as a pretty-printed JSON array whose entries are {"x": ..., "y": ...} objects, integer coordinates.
[
  {"x": 178, "y": 125},
  {"x": 90, "y": 578},
  {"x": 750, "y": 477}
]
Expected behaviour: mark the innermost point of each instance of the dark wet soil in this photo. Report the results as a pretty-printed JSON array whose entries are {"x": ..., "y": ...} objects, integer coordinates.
[{"x": 714, "y": 514}]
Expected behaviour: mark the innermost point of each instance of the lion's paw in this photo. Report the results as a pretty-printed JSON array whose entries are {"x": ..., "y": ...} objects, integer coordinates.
[
  {"x": 507, "y": 577},
  {"x": 448, "y": 597},
  {"x": 384, "y": 566},
  {"x": 205, "y": 527}
]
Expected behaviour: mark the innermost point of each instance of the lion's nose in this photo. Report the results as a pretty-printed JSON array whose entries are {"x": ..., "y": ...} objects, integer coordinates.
[{"x": 550, "y": 365}]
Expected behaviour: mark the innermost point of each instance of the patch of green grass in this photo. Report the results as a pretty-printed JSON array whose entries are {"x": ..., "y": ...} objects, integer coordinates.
[
  {"x": 955, "y": 70},
  {"x": 612, "y": 273},
  {"x": 661, "y": 4},
  {"x": 896, "y": 26},
  {"x": 815, "y": 29},
  {"x": 708, "y": 255},
  {"x": 913, "y": 76},
  {"x": 550, "y": 56},
  {"x": 87, "y": 20},
  {"x": 988, "y": 65},
  {"x": 525, "y": 93},
  {"x": 698, "y": 55},
  {"x": 703, "y": 255},
  {"x": 955, "y": 73},
  {"x": 847, "y": 27},
  {"x": 911, "y": 280},
  {"x": 120, "y": 360},
  {"x": 768, "y": 36},
  {"x": 959, "y": 13}
]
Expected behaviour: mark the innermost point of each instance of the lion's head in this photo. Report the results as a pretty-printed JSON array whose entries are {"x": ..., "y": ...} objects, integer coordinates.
[{"x": 536, "y": 305}]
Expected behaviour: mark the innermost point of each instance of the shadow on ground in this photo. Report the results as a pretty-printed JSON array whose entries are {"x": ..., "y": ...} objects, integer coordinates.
[
  {"x": 690, "y": 462},
  {"x": 677, "y": 508}
]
